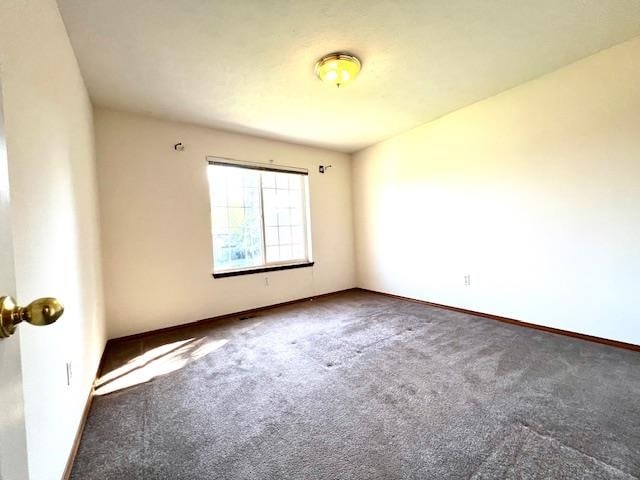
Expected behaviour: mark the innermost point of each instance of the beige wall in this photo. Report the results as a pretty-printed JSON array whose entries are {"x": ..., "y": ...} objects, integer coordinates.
[
  {"x": 535, "y": 193},
  {"x": 156, "y": 226},
  {"x": 48, "y": 120}
]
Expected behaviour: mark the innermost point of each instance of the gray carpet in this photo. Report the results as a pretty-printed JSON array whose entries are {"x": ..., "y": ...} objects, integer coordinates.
[{"x": 362, "y": 386}]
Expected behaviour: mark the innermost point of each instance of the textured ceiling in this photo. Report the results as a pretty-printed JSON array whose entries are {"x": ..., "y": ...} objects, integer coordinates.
[{"x": 247, "y": 65}]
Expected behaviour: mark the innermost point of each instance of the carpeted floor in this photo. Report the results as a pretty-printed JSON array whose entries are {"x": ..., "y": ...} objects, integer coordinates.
[{"x": 363, "y": 386}]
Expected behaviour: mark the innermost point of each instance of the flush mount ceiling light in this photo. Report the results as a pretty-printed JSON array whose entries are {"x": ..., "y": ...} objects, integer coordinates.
[{"x": 338, "y": 68}]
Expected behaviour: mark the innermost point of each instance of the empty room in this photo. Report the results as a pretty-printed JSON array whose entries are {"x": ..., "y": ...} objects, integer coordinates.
[{"x": 297, "y": 239}]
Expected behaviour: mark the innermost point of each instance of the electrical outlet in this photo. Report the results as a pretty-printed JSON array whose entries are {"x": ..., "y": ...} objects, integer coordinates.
[
  {"x": 266, "y": 281},
  {"x": 69, "y": 374},
  {"x": 467, "y": 280}
]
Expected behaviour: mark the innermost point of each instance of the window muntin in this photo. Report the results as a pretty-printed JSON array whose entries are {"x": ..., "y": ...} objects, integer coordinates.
[{"x": 259, "y": 217}]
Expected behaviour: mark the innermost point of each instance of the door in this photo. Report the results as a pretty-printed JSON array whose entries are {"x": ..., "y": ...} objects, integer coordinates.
[{"x": 13, "y": 444}]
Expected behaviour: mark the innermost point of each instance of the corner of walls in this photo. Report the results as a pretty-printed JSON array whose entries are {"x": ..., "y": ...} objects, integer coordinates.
[
  {"x": 156, "y": 223},
  {"x": 532, "y": 193},
  {"x": 51, "y": 158},
  {"x": 356, "y": 213}
]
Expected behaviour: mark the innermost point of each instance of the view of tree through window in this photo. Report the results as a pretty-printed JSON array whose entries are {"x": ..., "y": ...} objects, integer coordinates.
[{"x": 258, "y": 217}]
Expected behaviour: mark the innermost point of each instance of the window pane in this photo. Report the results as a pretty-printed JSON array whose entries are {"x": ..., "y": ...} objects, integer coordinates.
[
  {"x": 237, "y": 227},
  {"x": 258, "y": 217},
  {"x": 234, "y": 190},
  {"x": 296, "y": 216},
  {"x": 252, "y": 217},
  {"x": 270, "y": 208},
  {"x": 282, "y": 198},
  {"x": 220, "y": 218},
  {"x": 297, "y": 251},
  {"x": 294, "y": 198},
  {"x": 251, "y": 195},
  {"x": 268, "y": 180},
  {"x": 285, "y": 252},
  {"x": 296, "y": 235},
  {"x": 219, "y": 194},
  {"x": 284, "y": 234},
  {"x": 273, "y": 254},
  {"x": 294, "y": 182},
  {"x": 284, "y": 216},
  {"x": 282, "y": 180},
  {"x": 271, "y": 235},
  {"x": 270, "y": 217},
  {"x": 236, "y": 217}
]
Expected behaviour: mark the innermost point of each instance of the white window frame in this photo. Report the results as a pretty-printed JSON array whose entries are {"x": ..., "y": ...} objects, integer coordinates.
[{"x": 307, "y": 260}]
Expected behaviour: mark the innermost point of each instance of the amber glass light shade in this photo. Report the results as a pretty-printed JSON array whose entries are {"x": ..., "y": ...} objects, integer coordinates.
[{"x": 338, "y": 69}]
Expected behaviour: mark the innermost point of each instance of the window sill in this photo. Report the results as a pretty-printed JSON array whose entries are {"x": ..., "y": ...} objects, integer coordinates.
[{"x": 274, "y": 268}]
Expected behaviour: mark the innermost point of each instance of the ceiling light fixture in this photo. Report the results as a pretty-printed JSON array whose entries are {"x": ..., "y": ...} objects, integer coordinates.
[{"x": 338, "y": 68}]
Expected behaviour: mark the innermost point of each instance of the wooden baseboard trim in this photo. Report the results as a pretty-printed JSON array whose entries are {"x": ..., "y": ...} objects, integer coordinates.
[
  {"x": 520, "y": 323},
  {"x": 83, "y": 421},
  {"x": 76, "y": 442},
  {"x": 204, "y": 321},
  {"x": 511, "y": 321}
]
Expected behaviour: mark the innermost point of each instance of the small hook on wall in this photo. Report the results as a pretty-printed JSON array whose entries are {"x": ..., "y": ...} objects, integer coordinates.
[
  {"x": 323, "y": 168},
  {"x": 179, "y": 147}
]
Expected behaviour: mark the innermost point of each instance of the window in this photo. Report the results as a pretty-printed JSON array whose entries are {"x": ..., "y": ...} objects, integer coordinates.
[{"x": 260, "y": 218}]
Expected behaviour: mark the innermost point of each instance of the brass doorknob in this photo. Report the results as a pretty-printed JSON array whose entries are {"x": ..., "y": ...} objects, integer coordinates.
[{"x": 43, "y": 311}]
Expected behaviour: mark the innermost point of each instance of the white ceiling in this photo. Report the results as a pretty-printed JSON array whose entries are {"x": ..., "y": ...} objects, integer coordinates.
[{"x": 247, "y": 65}]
